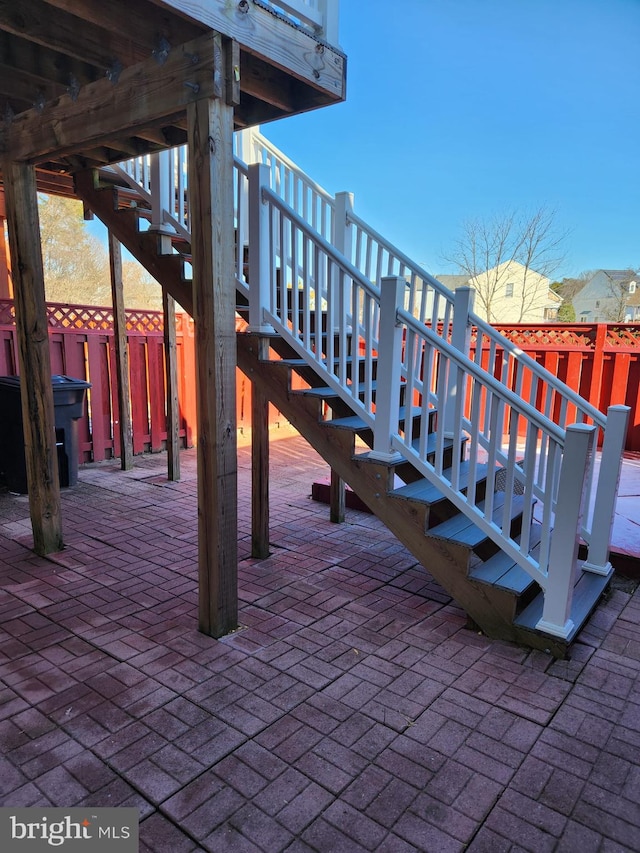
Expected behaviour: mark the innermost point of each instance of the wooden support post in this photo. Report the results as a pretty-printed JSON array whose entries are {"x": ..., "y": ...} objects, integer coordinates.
[
  {"x": 260, "y": 466},
  {"x": 33, "y": 352},
  {"x": 171, "y": 372},
  {"x": 210, "y": 150},
  {"x": 337, "y": 498},
  {"x": 122, "y": 354}
]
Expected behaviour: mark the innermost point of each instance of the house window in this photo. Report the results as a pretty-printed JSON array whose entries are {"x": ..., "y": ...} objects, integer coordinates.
[
  {"x": 508, "y": 290},
  {"x": 632, "y": 287}
]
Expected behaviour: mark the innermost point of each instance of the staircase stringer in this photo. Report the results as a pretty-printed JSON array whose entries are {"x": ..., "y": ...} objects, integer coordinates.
[
  {"x": 446, "y": 561},
  {"x": 166, "y": 269}
]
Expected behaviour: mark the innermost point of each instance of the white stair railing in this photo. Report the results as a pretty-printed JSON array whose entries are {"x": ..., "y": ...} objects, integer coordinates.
[
  {"x": 514, "y": 415},
  {"x": 554, "y": 465}
]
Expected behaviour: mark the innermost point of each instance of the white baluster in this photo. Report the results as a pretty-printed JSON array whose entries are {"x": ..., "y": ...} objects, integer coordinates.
[
  {"x": 561, "y": 574},
  {"x": 259, "y": 262},
  {"x": 389, "y": 369},
  {"x": 460, "y": 339},
  {"x": 607, "y": 490}
]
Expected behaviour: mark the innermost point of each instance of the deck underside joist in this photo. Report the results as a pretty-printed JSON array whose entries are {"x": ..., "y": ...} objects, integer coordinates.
[{"x": 85, "y": 83}]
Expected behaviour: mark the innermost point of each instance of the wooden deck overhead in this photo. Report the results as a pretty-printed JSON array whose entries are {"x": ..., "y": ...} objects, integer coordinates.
[{"x": 85, "y": 83}]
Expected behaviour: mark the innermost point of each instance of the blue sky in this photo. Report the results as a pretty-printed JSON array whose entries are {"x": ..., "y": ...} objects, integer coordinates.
[{"x": 458, "y": 109}]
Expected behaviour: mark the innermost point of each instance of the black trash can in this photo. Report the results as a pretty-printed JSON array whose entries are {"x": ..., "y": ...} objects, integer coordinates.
[{"x": 68, "y": 401}]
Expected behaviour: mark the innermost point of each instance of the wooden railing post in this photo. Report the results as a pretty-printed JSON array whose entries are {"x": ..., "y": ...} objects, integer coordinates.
[
  {"x": 389, "y": 368},
  {"x": 259, "y": 261},
  {"x": 563, "y": 555},
  {"x": 607, "y": 490},
  {"x": 461, "y": 340}
]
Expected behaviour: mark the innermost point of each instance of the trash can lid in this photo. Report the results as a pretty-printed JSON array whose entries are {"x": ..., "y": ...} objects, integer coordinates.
[
  {"x": 10, "y": 381},
  {"x": 59, "y": 379}
]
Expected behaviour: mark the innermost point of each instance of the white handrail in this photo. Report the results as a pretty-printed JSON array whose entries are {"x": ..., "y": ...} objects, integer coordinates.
[
  {"x": 546, "y": 440},
  {"x": 499, "y": 389}
]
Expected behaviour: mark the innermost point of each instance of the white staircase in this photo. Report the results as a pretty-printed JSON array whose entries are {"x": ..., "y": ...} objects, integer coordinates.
[{"x": 490, "y": 456}]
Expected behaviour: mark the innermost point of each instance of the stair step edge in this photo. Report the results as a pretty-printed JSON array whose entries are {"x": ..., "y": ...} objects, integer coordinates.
[
  {"x": 463, "y": 531},
  {"x": 426, "y": 492},
  {"x": 514, "y": 579},
  {"x": 587, "y": 593}
]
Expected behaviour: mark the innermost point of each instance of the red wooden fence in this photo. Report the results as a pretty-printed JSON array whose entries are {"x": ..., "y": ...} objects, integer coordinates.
[
  {"x": 600, "y": 361},
  {"x": 82, "y": 346}
]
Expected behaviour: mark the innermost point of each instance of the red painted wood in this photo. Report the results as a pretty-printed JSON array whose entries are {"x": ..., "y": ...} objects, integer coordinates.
[
  {"x": 139, "y": 394},
  {"x": 157, "y": 394},
  {"x": 599, "y": 361}
]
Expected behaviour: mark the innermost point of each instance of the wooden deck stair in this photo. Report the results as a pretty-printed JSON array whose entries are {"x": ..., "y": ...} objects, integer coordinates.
[{"x": 499, "y": 597}]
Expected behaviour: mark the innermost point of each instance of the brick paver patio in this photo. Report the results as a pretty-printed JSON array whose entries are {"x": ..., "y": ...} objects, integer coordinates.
[{"x": 352, "y": 711}]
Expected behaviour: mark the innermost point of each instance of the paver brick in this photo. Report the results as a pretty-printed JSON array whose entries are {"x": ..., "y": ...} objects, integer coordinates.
[{"x": 354, "y": 711}]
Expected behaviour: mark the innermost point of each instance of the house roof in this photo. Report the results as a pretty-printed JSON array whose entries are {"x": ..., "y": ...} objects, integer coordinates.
[{"x": 453, "y": 281}]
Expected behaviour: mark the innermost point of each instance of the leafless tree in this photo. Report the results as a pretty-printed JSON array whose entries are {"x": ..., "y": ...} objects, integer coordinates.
[
  {"x": 618, "y": 296},
  {"x": 486, "y": 246}
]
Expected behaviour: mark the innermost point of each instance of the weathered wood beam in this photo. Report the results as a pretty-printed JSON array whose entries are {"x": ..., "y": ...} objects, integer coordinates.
[
  {"x": 69, "y": 34},
  {"x": 144, "y": 94},
  {"x": 266, "y": 83},
  {"x": 210, "y": 149},
  {"x": 45, "y": 64},
  {"x": 122, "y": 354},
  {"x": 156, "y": 31},
  {"x": 24, "y": 87},
  {"x": 33, "y": 353},
  {"x": 266, "y": 35},
  {"x": 171, "y": 372}
]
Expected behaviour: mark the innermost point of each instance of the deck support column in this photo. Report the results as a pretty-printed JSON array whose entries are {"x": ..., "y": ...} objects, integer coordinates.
[
  {"x": 210, "y": 150},
  {"x": 260, "y": 464},
  {"x": 171, "y": 372},
  {"x": 122, "y": 354},
  {"x": 33, "y": 353}
]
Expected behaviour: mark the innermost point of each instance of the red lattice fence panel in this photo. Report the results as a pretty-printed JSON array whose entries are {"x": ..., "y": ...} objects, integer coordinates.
[{"x": 82, "y": 345}]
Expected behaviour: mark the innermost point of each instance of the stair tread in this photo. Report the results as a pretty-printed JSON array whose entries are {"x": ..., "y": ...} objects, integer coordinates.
[
  {"x": 462, "y": 530},
  {"x": 586, "y": 595},
  {"x": 357, "y": 423},
  {"x": 426, "y": 492},
  {"x": 502, "y": 571},
  {"x": 325, "y": 392}
]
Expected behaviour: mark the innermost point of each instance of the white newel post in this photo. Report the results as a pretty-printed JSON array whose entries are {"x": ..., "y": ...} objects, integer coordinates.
[
  {"x": 561, "y": 575},
  {"x": 342, "y": 239},
  {"x": 259, "y": 267},
  {"x": 607, "y": 490},
  {"x": 245, "y": 147},
  {"x": 460, "y": 339},
  {"x": 161, "y": 195},
  {"x": 389, "y": 369}
]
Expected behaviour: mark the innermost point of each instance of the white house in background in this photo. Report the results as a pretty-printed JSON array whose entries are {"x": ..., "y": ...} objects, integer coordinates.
[
  {"x": 610, "y": 296},
  {"x": 510, "y": 293}
]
